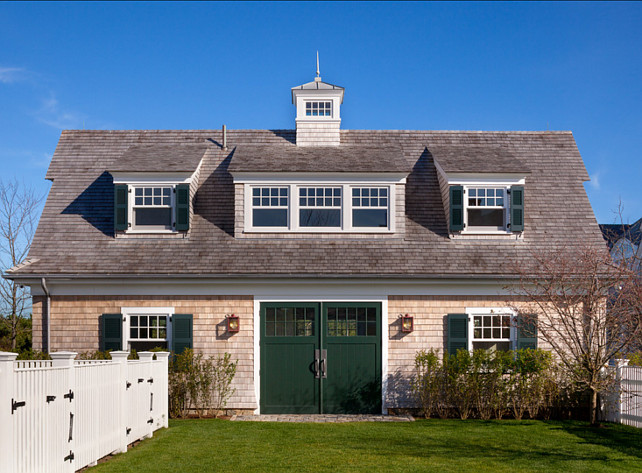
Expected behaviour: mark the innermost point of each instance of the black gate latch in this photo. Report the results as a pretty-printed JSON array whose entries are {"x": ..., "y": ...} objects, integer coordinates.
[
  {"x": 150, "y": 421},
  {"x": 50, "y": 399},
  {"x": 15, "y": 405},
  {"x": 70, "y": 457},
  {"x": 69, "y": 395}
]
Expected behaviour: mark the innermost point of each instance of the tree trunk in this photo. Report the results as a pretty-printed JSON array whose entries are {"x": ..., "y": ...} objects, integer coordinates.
[{"x": 594, "y": 408}]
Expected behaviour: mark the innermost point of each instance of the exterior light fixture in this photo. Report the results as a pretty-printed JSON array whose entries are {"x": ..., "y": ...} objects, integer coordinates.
[
  {"x": 407, "y": 323},
  {"x": 233, "y": 325}
]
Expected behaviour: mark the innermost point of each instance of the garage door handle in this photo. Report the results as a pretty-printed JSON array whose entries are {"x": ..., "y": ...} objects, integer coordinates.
[
  {"x": 324, "y": 363},
  {"x": 316, "y": 364}
]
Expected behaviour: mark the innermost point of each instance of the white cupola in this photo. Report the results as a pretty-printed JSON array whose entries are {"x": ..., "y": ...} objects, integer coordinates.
[{"x": 318, "y": 112}]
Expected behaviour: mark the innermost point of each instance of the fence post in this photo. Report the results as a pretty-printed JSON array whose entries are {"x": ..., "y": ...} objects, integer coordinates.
[
  {"x": 65, "y": 359},
  {"x": 619, "y": 364},
  {"x": 120, "y": 357},
  {"x": 163, "y": 358},
  {"x": 7, "y": 388},
  {"x": 146, "y": 357}
]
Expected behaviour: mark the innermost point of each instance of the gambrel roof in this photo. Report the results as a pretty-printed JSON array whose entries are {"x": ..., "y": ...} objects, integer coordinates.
[{"x": 75, "y": 236}]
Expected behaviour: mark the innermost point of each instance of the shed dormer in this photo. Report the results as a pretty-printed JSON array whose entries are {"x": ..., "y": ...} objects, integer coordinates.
[{"x": 318, "y": 117}]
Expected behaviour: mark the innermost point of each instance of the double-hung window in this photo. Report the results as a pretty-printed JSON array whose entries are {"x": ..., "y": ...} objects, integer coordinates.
[
  {"x": 486, "y": 208},
  {"x": 320, "y": 207},
  {"x": 152, "y": 208},
  {"x": 492, "y": 329},
  {"x": 270, "y": 206},
  {"x": 370, "y": 207}
]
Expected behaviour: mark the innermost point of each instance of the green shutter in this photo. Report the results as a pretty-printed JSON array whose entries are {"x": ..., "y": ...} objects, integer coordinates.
[
  {"x": 456, "y": 208},
  {"x": 181, "y": 332},
  {"x": 111, "y": 337},
  {"x": 182, "y": 207},
  {"x": 526, "y": 332},
  {"x": 517, "y": 208},
  {"x": 120, "y": 206},
  {"x": 457, "y": 332}
]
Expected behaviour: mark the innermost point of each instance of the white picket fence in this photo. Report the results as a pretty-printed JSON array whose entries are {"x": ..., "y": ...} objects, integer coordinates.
[
  {"x": 65, "y": 414},
  {"x": 624, "y": 404}
]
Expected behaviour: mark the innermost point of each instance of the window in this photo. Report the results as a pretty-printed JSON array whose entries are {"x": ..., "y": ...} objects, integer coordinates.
[
  {"x": 152, "y": 208},
  {"x": 492, "y": 330},
  {"x": 148, "y": 331},
  {"x": 318, "y": 109},
  {"x": 320, "y": 206},
  {"x": 270, "y": 206},
  {"x": 486, "y": 208},
  {"x": 370, "y": 207}
]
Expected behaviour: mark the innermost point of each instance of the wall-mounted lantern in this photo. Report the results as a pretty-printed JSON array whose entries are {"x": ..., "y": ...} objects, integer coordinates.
[
  {"x": 233, "y": 325},
  {"x": 407, "y": 323}
]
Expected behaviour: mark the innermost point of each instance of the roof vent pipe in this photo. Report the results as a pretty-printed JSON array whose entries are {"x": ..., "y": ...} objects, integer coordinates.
[{"x": 224, "y": 138}]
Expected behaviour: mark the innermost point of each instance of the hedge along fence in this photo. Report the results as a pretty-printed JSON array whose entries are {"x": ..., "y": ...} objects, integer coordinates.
[{"x": 487, "y": 384}]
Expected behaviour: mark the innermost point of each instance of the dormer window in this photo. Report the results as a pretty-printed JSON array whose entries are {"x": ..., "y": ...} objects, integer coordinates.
[
  {"x": 486, "y": 209},
  {"x": 318, "y": 109},
  {"x": 152, "y": 208}
]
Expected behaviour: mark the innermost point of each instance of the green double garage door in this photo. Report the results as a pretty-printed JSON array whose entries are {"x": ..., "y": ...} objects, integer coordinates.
[{"x": 320, "y": 358}]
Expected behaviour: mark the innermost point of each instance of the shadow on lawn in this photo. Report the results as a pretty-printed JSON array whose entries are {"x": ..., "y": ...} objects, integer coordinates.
[{"x": 616, "y": 437}]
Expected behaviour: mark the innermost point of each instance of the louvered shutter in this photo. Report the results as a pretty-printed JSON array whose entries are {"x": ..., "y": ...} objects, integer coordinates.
[
  {"x": 111, "y": 337},
  {"x": 182, "y": 207},
  {"x": 526, "y": 332},
  {"x": 456, "y": 208},
  {"x": 182, "y": 335},
  {"x": 120, "y": 207},
  {"x": 457, "y": 332},
  {"x": 517, "y": 208}
]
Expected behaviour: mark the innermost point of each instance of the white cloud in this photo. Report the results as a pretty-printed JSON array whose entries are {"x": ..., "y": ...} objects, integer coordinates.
[
  {"x": 595, "y": 181},
  {"x": 9, "y": 75},
  {"x": 53, "y": 115}
]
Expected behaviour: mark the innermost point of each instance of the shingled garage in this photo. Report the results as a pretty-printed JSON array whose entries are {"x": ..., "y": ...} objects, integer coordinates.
[{"x": 318, "y": 242}]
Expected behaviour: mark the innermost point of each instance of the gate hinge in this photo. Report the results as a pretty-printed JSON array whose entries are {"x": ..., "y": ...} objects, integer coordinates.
[
  {"x": 150, "y": 380},
  {"x": 150, "y": 421},
  {"x": 69, "y": 395},
  {"x": 128, "y": 430},
  {"x": 140, "y": 380},
  {"x": 70, "y": 457},
  {"x": 50, "y": 399},
  {"x": 16, "y": 404},
  {"x": 127, "y": 385}
]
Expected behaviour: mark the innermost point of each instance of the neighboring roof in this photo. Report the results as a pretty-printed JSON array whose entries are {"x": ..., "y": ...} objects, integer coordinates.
[
  {"x": 75, "y": 233},
  {"x": 174, "y": 157},
  {"x": 292, "y": 158},
  {"x": 477, "y": 159},
  {"x": 614, "y": 232}
]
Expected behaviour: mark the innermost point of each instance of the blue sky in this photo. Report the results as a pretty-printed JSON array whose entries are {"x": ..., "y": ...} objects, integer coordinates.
[{"x": 434, "y": 66}]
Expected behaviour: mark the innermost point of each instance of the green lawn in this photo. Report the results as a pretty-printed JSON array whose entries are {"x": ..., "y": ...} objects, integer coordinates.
[{"x": 424, "y": 445}]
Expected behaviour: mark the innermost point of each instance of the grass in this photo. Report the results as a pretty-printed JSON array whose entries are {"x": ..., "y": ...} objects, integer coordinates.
[{"x": 424, "y": 445}]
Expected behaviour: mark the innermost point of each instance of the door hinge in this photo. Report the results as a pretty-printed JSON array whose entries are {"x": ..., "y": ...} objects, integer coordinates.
[{"x": 16, "y": 404}]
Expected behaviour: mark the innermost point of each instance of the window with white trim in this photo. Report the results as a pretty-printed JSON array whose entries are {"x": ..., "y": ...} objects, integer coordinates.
[
  {"x": 320, "y": 206},
  {"x": 486, "y": 208},
  {"x": 317, "y": 208},
  {"x": 270, "y": 206},
  {"x": 318, "y": 109},
  {"x": 146, "y": 328},
  {"x": 492, "y": 329},
  {"x": 153, "y": 208},
  {"x": 370, "y": 207}
]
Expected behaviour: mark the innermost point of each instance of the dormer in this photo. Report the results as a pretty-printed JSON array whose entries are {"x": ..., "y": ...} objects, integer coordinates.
[{"x": 318, "y": 113}]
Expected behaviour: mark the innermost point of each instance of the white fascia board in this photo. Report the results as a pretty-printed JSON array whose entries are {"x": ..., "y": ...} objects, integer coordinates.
[
  {"x": 336, "y": 289},
  {"x": 502, "y": 179},
  {"x": 142, "y": 178},
  {"x": 318, "y": 177}
]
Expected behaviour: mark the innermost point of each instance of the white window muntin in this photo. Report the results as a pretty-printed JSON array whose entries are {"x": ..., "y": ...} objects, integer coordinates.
[
  {"x": 318, "y": 108},
  {"x": 486, "y": 198},
  {"x": 148, "y": 327},
  {"x": 269, "y": 197},
  {"x": 151, "y": 196},
  {"x": 346, "y": 208},
  {"x": 128, "y": 312},
  {"x": 320, "y": 198},
  {"x": 503, "y": 312}
]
